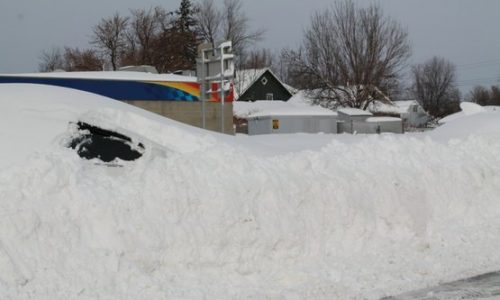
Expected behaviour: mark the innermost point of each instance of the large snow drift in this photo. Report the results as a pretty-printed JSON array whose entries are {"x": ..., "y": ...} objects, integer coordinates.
[{"x": 208, "y": 217}]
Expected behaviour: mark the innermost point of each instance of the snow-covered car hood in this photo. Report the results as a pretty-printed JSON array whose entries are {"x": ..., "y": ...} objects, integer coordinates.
[{"x": 35, "y": 117}]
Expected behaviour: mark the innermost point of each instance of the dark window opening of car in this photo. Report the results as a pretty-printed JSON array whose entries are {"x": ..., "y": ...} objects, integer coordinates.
[{"x": 93, "y": 142}]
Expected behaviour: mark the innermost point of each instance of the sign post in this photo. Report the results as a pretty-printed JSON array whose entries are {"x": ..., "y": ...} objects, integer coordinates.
[{"x": 214, "y": 64}]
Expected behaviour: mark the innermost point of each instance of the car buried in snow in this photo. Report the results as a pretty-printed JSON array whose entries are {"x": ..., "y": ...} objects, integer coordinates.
[{"x": 35, "y": 117}]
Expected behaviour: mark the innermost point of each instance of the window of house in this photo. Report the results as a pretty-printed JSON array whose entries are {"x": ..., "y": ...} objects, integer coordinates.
[
  {"x": 269, "y": 96},
  {"x": 415, "y": 108},
  {"x": 264, "y": 80}
]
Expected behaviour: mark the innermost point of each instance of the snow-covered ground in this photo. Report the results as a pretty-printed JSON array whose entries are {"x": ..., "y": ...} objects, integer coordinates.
[{"x": 206, "y": 216}]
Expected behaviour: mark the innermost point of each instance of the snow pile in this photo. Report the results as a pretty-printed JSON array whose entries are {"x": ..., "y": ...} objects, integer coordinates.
[
  {"x": 468, "y": 109},
  {"x": 374, "y": 216}
]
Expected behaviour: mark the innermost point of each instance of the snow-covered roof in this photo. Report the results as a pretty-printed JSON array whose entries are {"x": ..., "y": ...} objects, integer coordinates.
[
  {"x": 354, "y": 111},
  {"x": 110, "y": 75},
  {"x": 405, "y": 105},
  {"x": 141, "y": 68},
  {"x": 291, "y": 89},
  {"x": 382, "y": 119},
  {"x": 397, "y": 107},
  {"x": 298, "y": 105}
]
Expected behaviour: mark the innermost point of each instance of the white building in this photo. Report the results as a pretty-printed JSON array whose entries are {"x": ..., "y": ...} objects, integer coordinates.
[
  {"x": 410, "y": 111},
  {"x": 293, "y": 116}
]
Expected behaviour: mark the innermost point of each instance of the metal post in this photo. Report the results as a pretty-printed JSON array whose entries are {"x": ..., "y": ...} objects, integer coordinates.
[
  {"x": 202, "y": 98},
  {"x": 222, "y": 87}
]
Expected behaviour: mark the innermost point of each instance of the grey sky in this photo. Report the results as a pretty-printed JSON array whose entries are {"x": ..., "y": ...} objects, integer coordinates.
[{"x": 464, "y": 31}]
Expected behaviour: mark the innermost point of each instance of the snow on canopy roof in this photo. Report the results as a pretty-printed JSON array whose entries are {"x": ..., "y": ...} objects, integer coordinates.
[
  {"x": 110, "y": 75},
  {"x": 397, "y": 107},
  {"x": 405, "y": 104},
  {"x": 354, "y": 111},
  {"x": 382, "y": 119},
  {"x": 141, "y": 68},
  {"x": 298, "y": 105}
]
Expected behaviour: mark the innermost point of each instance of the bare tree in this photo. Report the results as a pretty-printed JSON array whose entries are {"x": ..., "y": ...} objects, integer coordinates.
[
  {"x": 434, "y": 86},
  {"x": 495, "y": 95},
  {"x": 229, "y": 23},
  {"x": 351, "y": 55},
  {"x": 144, "y": 26},
  {"x": 209, "y": 20},
  {"x": 483, "y": 96},
  {"x": 81, "y": 60},
  {"x": 258, "y": 59},
  {"x": 479, "y": 95},
  {"x": 110, "y": 37},
  {"x": 235, "y": 28},
  {"x": 70, "y": 59},
  {"x": 51, "y": 60}
]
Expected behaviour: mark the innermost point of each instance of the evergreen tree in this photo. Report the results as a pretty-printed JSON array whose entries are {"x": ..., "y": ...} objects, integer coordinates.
[
  {"x": 185, "y": 35},
  {"x": 186, "y": 21}
]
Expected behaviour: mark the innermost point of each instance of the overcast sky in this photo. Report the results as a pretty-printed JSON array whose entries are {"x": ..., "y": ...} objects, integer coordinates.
[{"x": 467, "y": 32}]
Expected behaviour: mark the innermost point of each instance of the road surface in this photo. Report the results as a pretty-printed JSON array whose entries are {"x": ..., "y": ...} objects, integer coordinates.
[{"x": 484, "y": 287}]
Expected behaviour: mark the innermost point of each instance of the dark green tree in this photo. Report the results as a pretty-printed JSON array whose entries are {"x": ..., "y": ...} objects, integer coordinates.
[
  {"x": 184, "y": 36},
  {"x": 186, "y": 21}
]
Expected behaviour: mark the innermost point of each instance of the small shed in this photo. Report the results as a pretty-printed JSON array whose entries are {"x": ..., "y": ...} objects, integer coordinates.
[
  {"x": 294, "y": 116},
  {"x": 410, "y": 111}
]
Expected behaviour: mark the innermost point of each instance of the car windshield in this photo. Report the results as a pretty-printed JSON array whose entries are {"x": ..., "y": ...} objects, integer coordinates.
[{"x": 92, "y": 142}]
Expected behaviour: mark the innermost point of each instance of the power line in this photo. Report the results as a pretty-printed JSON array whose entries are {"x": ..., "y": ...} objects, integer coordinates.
[
  {"x": 484, "y": 62},
  {"x": 496, "y": 78}
]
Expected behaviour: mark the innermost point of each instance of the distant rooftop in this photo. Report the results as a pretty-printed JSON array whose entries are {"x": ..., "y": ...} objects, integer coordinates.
[
  {"x": 109, "y": 75},
  {"x": 354, "y": 111}
]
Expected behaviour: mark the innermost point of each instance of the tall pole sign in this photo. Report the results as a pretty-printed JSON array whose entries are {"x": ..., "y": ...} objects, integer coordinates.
[{"x": 215, "y": 65}]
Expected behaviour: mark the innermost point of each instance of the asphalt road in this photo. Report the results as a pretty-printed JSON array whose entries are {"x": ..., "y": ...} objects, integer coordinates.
[{"x": 486, "y": 286}]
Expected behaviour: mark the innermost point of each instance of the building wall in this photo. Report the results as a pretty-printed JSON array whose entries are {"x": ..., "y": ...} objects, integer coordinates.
[
  {"x": 371, "y": 127},
  {"x": 292, "y": 124},
  {"x": 415, "y": 119},
  {"x": 259, "y": 90},
  {"x": 190, "y": 113}
]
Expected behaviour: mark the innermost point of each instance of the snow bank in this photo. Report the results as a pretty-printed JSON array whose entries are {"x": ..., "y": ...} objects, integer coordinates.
[
  {"x": 468, "y": 109},
  {"x": 374, "y": 216}
]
